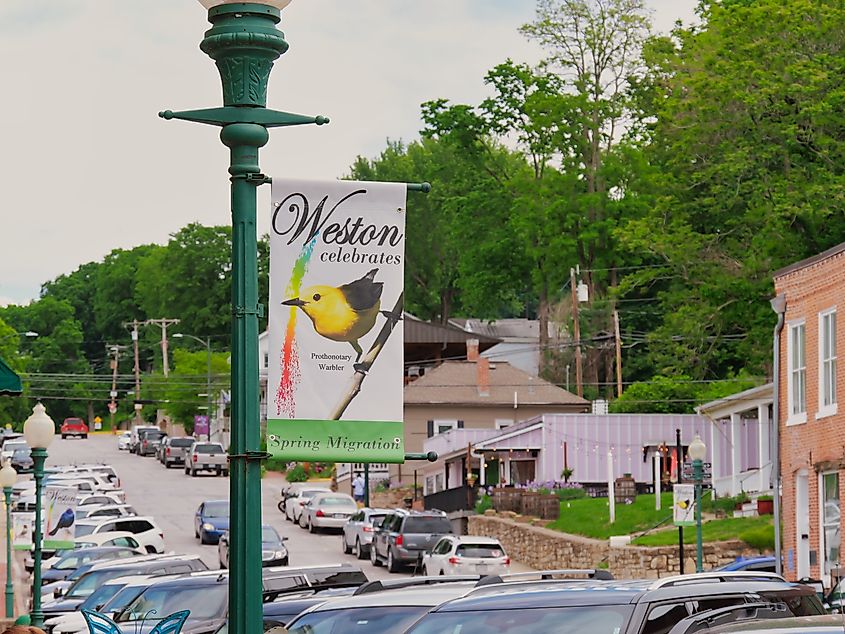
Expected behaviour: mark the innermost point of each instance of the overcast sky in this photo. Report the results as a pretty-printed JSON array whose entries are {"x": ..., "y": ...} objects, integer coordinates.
[{"x": 87, "y": 166}]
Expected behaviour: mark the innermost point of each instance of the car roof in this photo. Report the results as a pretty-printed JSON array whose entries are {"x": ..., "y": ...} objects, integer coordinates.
[
  {"x": 828, "y": 623},
  {"x": 427, "y": 596},
  {"x": 213, "y": 501},
  {"x": 141, "y": 561},
  {"x": 96, "y": 549},
  {"x": 96, "y": 521},
  {"x": 474, "y": 539},
  {"x": 749, "y": 561}
]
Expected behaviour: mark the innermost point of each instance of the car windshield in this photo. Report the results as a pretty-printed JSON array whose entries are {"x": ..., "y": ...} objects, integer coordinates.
[
  {"x": 123, "y": 598},
  {"x": 338, "y": 501},
  {"x": 81, "y": 530},
  {"x": 311, "y": 494},
  {"x": 427, "y": 525},
  {"x": 376, "y": 520},
  {"x": 484, "y": 551},
  {"x": 204, "y": 602},
  {"x": 181, "y": 442},
  {"x": 366, "y": 620},
  {"x": 101, "y": 596},
  {"x": 89, "y": 582},
  {"x": 73, "y": 561},
  {"x": 604, "y": 619},
  {"x": 208, "y": 448},
  {"x": 269, "y": 535},
  {"x": 216, "y": 509}
]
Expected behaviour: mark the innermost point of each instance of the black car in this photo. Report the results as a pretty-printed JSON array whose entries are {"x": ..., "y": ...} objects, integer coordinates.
[
  {"x": 609, "y": 607},
  {"x": 22, "y": 460},
  {"x": 149, "y": 440},
  {"x": 74, "y": 559},
  {"x": 403, "y": 537},
  {"x": 273, "y": 550}
]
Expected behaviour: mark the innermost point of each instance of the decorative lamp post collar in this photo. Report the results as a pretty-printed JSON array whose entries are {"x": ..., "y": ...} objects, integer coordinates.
[
  {"x": 39, "y": 429},
  {"x": 277, "y": 4},
  {"x": 697, "y": 449},
  {"x": 8, "y": 476}
]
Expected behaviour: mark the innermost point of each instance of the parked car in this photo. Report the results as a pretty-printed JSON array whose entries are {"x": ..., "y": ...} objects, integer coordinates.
[
  {"x": 99, "y": 499},
  {"x": 828, "y": 624},
  {"x": 211, "y": 520},
  {"x": 149, "y": 440},
  {"x": 123, "y": 441},
  {"x": 327, "y": 510},
  {"x": 380, "y": 612},
  {"x": 72, "y": 560},
  {"x": 144, "y": 529},
  {"x": 607, "y": 607},
  {"x": 134, "y": 438},
  {"x": 466, "y": 555},
  {"x": 358, "y": 532},
  {"x": 122, "y": 539},
  {"x": 294, "y": 506},
  {"x": 74, "y": 427},
  {"x": 10, "y": 446},
  {"x": 207, "y": 456},
  {"x": 273, "y": 551},
  {"x": 404, "y": 536},
  {"x": 172, "y": 451},
  {"x": 752, "y": 564},
  {"x": 105, "y": 510},
  {"x": 21, "y": 460}
]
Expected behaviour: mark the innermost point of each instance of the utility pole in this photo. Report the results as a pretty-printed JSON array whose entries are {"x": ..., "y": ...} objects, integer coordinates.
[
  {"x": 163, "y": 323},
  {"x": 135, "y": 323},
  {"x": 114, "y": 350},
  {"x": 618, "y": 339},
  {"x": 576, "y": 333}
]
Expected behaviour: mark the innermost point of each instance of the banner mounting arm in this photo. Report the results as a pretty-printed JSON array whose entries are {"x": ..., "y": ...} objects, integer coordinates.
[{"x": 423, "y": 188}]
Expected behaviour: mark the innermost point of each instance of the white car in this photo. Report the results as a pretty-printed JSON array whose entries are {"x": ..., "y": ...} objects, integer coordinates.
[
  {"x": 293, "y": 507},
  {"x": 466, "y": 555},
  {"x": 123, "y": 539},
  {"x": 327, "y": 510},
  {"x": 99, "y": 499},
  {"x": 144, "y": 529},
  {"x": 10, "y": 446},
  {"x": 104, "y": 511},
  {"x": 123, "y": 441}
]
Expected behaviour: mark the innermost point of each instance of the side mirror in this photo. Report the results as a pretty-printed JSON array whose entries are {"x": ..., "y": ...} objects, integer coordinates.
[
  {"x": 57, "y": 593},
  {"x": 284, "y": 539}
]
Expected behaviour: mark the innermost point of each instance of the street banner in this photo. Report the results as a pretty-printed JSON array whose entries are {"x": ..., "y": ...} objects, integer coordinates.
[
  {"x": 336, "y": 358},
  {"x": 22, "y": 530},
  {"x": 60, "y": 514},
  {"x": 201, "y": 426},
  {"x": 684, "y": 504}
]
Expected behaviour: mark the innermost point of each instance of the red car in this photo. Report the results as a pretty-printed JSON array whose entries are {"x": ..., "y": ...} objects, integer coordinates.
[{"x": 74, "y": 427}]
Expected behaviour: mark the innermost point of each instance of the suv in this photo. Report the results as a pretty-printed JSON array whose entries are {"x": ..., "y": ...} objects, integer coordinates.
[
  {"x": 144, "y": 529},
  {"x": 173, "y": 450},
  {"x": 609, "y": 607},
  {"x": 403, "y": 537},
  {"x": 207, "y": 456},
  {"x": 74, "y": 427},
  {"x": 134, "y": 438},
  {"x": 150, "y": 439}
]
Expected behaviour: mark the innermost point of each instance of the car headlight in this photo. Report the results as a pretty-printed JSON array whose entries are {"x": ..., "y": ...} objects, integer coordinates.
[
  {"x": 208, "y": 527},
  {"x": 280, "y": 554}
]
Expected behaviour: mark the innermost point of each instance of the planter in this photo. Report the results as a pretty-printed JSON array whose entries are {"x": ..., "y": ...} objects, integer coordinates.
[
  {"x": 530, "y": 503},
  {"x": 765, "y": 507},
  {"x": 549, "y": 506}
]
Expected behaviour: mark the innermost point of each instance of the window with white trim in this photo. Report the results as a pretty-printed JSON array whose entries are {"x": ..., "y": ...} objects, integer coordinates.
[
  {"x": 827, "y": 362},
  {"x": 797, "y": 373},
  {"x": 441, "y": 426},
  {"x": 501, "y": 423}
]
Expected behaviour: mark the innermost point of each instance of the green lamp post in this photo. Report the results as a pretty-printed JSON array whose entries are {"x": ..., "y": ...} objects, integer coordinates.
[
  {"x": 244, "y": 42},
  {"x": 697, "y": 452},
  {"x": 39, "y": 431},
  {"x": 8, "y": 477}
]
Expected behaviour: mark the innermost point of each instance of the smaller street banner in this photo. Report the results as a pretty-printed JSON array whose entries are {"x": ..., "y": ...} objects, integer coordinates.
[
  {"x": 336, "y": 358},
  {"x": 60, "y": 514},
  {"x": 22, "y": 530},
  {"x": 200, "y": 426},
  {"x": 684, "y": 504}
]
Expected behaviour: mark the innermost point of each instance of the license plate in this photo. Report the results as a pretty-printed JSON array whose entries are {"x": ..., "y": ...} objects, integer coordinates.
[
  {"x": 481, "y": 569},
  {"x": 340, "y": 515}
]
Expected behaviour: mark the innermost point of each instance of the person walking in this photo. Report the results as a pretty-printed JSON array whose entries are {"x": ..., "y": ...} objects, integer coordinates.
[{"x": 358, "y": 488}]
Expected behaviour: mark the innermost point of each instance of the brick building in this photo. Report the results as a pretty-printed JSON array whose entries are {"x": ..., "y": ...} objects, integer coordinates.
[{"x": 811, "y": 425}]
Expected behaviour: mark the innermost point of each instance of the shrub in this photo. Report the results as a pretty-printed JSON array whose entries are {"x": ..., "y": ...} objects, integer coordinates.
[
  {"x": 572, "y": 493},
  {"x": 383, "y": 485},
  {"x": 484, "y": 502},
  {"x": 275, "y": 464},
  {"x": 297, "y": 474},
  {"x": 765, "y": 498}
]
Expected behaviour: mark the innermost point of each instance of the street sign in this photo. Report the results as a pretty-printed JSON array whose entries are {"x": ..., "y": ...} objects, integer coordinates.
[
  {"x": 112, "y": 408},
  {"x": 113, "y": 394},
  {"x": 707, "y": 471},
  {"x": 683, "y": 507}
]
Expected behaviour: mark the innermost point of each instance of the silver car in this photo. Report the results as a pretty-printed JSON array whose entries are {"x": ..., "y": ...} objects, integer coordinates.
[
  {"x": 327, "y": 510},
  {"x": 358, "y": 531}
]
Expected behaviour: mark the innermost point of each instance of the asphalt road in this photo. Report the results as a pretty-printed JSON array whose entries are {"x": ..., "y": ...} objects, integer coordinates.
[{"x": 172, "y": 498}]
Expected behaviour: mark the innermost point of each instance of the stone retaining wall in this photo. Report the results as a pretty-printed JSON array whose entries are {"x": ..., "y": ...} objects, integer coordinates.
[{"x": 542, "y": 548}]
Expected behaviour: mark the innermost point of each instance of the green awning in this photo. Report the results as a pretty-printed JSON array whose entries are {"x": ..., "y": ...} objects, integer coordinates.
[{"x": 10, "y": 382}]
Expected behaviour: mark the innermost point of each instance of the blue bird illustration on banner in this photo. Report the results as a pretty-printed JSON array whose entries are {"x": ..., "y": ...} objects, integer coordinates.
[{"x": 65, "y": 521}]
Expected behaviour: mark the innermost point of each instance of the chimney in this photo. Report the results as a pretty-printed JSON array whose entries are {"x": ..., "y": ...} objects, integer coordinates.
[
  {"x": 482, "y": 373},
  {"x": 472, "y": 349}
]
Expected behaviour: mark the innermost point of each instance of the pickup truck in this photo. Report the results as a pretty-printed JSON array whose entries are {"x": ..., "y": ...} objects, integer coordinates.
[
  {"x": 173, "y": 450},
  {"x": 207, "y": 456}
]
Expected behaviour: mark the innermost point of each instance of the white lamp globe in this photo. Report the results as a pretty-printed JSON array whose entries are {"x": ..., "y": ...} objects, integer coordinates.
[
  {"x": 39, "y": 429},
  {"x": 278, "y": 4},
  {"x": 697, "y": 449},
  {"x": 8, "y": 476}
]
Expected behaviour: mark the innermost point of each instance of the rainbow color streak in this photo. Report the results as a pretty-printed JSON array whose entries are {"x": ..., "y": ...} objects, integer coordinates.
[{"x": 285, "y": 401}]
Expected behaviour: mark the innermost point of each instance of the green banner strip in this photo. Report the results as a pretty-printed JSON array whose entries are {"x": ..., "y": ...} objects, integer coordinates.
[
  {"x": 57, "y": 544},
  {"x": 336, "y": 440}
]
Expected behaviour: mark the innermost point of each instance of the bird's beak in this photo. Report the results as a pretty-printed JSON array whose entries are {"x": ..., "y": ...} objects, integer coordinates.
[{"x": 293, "y": 302}]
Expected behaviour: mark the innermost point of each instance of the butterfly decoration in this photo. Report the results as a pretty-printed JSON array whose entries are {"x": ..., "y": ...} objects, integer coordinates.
[{"x": 101, "y": 624}]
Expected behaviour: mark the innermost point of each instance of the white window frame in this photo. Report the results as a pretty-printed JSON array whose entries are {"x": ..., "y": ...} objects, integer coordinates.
[
  {"x": 502, "y": 423},
  {"x": 451, "y": 424},
  {"x": 830, "y": 408},
  {"x": 822, "y": 557},
  {"x": 795, "y": 417}
]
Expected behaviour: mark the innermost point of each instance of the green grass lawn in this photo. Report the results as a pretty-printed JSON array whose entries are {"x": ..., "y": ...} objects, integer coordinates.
[{"x": 590, "y": 517}]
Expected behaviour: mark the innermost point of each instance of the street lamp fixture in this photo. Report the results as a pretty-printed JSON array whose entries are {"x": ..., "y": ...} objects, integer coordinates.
[
  {"x": 244, "y": 43},
  {"x": 39, "y": 431},
  {"x": 8, "y": 477},
  {"x": 697, "y": 451}
]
